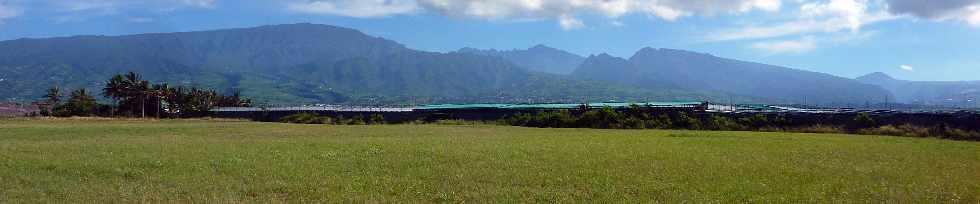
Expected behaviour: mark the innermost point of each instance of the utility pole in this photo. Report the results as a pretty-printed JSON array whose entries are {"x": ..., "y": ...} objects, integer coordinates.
[
  {"x": 886, "y": 103},
  {"x": 804, "y": 103},
  {"x": 143, "y": 105}
]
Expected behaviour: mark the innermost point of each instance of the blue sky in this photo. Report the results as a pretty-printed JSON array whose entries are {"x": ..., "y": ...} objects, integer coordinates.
[{"x": 909, "y": 39}]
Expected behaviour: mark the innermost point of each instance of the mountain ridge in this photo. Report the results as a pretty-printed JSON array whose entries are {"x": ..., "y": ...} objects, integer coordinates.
[
  {"x": 673, "y": 68},
  {"x": 539, "y": 58},
  {"x": 295, "y": 63},
  {"x": 942, "y": 93}
]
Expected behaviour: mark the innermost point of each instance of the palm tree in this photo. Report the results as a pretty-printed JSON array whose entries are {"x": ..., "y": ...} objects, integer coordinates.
[
  {"x": 115, "y": 89},
  {"x": 81, "y": 103},
  {"x": 54, "y": 95},
  {"x": 133, "y": 90}
]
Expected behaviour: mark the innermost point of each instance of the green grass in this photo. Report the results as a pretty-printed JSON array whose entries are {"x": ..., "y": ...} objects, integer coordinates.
[{"x": 69, "y": 161}]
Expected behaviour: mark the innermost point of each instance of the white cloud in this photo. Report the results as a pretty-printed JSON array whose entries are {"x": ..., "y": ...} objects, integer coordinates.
[
  {"x": 524, "y": 9},
  {"x": 8, "y": 12},
  {"x": 810, "y": 43},
  {"x": 907, "y": 68},
  {"x": 832, "y": 17},
  {"x": 67, "y": 11},
  {"x": 768, "y": 5},
  {"x": 803, "y": 45},
  {"x": 849, "y": 12},
  {"x": 200, "y": 3},
  {"x": 824, "y": 18},
  {"x": 813, "y": 18},
  {"x": 974, "y": 16},
  {"x": 112, "y": 6},
  {"x": 355, "y": 8},
  {"x": 565, "y": 12},
  {"x": 570, "y": 23}
]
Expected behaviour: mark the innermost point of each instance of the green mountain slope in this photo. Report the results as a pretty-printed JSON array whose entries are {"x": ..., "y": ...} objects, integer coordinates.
[
  {"x": 539, "y": 58},
  {"x": 297, "y": 63}
]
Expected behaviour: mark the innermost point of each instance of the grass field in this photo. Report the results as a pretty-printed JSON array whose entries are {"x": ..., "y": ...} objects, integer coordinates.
[{"x": 211, "y": 161}]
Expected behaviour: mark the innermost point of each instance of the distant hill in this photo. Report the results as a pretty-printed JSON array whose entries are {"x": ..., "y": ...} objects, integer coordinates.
[
  {"x": 943, "y": 93},
  {"x": 538, "y": 58},
  {"x": 667, "y": 68},
  {"x": 298, "y": 63}
]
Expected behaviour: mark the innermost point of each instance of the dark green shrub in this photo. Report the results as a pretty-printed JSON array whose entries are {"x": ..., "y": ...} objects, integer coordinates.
[
  {"x": 818, "y": 128},
  {"x": 946, "y": 132},
  {"x": 780, "y": 121},
  {"x": 326, "y": 120},
  {"x": 862, "y": 121},
  {"x": 377, "y": 119},
  {"x": 45, "y": 112},
  {"x": 684, "y": 121},
  {"x": 637, "y": 111},
  {"x": 357, "y": 120},
  {"x": 340, "y": 120},
  {"x": 884, "y": 130},
  {"x": 908, "y": 130},
  {"x": 755, "y": 122},
  {"x": 302, "y": 118},
  {"x": 605, "y": 118},
  {"x": 554, "y": 119},
  {"x": 634, "y": 123},
  {"x": 915, "y": 131},
  {"x": 723, "y": 123},
  {"x": 521, "y": 119},
  {"x": 636, "y": 118},
  {"x": 660, "y": 122}
]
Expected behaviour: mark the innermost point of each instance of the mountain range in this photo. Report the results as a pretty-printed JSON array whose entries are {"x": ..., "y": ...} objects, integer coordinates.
[
  {"x": 296, "y": 63},
  {"x": 936, "y": 93},
  {"x": 310, "y": 63},
  {"x": 678, "y": 69},
  {"x": 539, "y": 58}
]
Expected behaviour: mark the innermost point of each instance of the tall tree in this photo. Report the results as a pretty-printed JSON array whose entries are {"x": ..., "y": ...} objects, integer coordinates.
[
  {"x": 53, "y": 98},
  {"x": 135, "y": 96},
  {"x": 114, "y": 89},
  {"x": 137, "y": 89},
  {"x": 53, "y": 95},
  {"x": 80, "y": 103},
  {"x": 130, "y": 92}
]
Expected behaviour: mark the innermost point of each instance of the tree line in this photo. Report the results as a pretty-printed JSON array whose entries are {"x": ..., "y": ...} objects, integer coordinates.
[
  {"x": 637, "y": 117},
  {"x": 132, "y": 96}
]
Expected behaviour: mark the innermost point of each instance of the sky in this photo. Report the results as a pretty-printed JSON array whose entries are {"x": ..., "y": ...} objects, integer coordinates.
[{"x": 934, "y": 40}]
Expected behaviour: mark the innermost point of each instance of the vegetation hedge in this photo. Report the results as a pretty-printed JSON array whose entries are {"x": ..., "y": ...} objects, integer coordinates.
[
  {"x": 313, "y": 118},
  {"x": 636, "y": 118}
]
